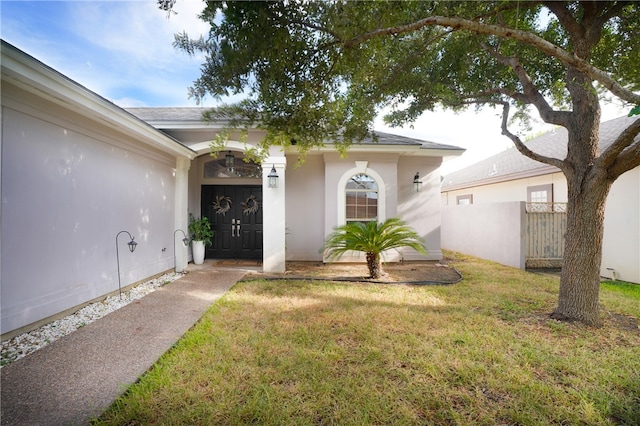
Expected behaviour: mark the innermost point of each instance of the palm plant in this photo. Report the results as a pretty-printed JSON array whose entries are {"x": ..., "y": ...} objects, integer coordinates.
[{"x": 372, "y": 238}]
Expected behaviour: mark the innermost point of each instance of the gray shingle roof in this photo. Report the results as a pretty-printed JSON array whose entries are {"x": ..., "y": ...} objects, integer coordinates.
[
  {"x": 389, "y": 139},
  {"x": 510, "y": 164},
  {"x": 168, "y": 114},
  {"x": 194, "y": 114}
]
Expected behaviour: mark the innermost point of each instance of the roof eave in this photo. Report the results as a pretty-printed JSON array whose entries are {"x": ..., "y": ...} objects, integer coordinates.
[
  {"x": 435, "y": 152},
  {"x": 543, "y": 170},
  {"x": 403, "y": 150}
]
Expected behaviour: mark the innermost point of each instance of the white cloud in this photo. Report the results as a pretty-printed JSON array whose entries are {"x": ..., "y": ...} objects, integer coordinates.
[
  {"x": 136, "y": 52},
  {"x": 138, "y": 31},
  {"x": 128, "y": 102}
]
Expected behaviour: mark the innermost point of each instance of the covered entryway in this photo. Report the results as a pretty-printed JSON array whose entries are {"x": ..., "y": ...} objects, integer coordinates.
[{"x": 236, "y": 216}]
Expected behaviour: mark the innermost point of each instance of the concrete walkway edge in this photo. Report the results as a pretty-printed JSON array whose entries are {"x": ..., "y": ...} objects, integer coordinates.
[{"x": 78, "y": 376}]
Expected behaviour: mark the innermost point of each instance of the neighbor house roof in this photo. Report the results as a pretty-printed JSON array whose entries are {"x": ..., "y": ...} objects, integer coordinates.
[
  {"x": 191, "y": 117},
  {"x": 511, "y": 164}
]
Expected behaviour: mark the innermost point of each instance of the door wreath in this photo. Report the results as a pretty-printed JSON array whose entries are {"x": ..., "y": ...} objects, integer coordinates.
[
  {"x": 250, "y": 205},
  {"x": 222, "y": 204}
]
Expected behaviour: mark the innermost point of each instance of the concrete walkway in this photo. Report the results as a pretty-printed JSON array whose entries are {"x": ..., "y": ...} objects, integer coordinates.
[{"x": 78, "y": 376}]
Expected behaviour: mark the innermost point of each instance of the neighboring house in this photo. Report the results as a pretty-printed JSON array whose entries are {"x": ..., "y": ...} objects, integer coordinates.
[
  {"x": 77, "y": 170},
  {"x": 510, "y": 176}
]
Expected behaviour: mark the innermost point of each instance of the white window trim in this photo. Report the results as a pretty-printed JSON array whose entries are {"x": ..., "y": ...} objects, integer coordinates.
[{"x": 361, "y": 167}]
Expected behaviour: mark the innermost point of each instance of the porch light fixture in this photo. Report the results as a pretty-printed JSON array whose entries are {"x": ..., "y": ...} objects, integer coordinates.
[
  {"x": 417, "y": 183},
  {"x": 273, "y": 177},
  {"x": 185, "y": 241},
  {"x": 229, "y": 160},
  {"x": 132, "y": 247}
]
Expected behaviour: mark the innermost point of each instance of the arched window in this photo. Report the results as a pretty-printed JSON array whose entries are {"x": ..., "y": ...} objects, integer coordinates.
[
  {"x": 361, "y": 199},
  {"x": 240, "y": 169}
]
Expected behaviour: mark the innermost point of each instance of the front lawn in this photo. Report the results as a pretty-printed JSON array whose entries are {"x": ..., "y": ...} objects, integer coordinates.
[{"x": 480, "y": 352}]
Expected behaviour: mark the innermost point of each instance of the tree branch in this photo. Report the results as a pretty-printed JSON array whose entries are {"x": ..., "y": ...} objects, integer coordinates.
[
  {"x": 398, "y": 72},
  {"x": 628, "y": 160},
  {"x": 566, "y": 19},
  {"x": 304, "y": 24},
  {"x": 623, "y": 154},
  {"x": 531, "y": 94},
  {"x": 509, "y": 6},
  {"x": 564, "y": 16},
  {"x": 520, "y": 146},
  {"x": 519, "y": 35}
]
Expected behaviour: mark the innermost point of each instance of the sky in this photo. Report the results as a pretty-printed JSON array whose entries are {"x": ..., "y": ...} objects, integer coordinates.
[{"x": 123, "y": 50}]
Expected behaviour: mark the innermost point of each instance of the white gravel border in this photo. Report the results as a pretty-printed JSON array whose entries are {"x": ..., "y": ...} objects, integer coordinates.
[{"x": 27, "y": 343}]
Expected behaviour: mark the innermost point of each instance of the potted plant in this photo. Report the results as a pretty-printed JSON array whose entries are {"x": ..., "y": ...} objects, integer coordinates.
[{"x": 201, "y": 234}]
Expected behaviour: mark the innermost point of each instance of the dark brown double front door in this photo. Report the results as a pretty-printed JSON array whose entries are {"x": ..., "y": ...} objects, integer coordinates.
[{"x": 235, "y": 213}]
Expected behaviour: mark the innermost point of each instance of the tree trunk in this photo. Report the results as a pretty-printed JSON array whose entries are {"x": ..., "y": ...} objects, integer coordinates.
[
  {"x": 374, "y": 265},
  {"x": 580, "y": 277},
  {"x": 587, "y": 187}
]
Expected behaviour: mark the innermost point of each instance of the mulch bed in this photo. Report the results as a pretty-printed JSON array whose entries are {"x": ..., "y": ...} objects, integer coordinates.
[{"x": 406, "y": 272}]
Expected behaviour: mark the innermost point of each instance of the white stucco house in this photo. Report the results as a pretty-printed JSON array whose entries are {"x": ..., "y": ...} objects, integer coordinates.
[
  {"x": 77, "y": 170},
  {"x": 510, "y": 176}
]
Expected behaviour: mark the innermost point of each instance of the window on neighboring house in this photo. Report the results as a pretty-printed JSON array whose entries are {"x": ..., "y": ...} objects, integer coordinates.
[
  {"x": 540, "y": 197},
  {"x": 361, "y": 199},
  {"x": 540, "y": 193},
  {"x": 464, "y": 199}
]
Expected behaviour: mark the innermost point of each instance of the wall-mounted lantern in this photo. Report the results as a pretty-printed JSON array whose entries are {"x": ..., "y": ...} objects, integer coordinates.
[
  {"x": 273, "y": 177},
  {"x": 417, "y": 183},
  {"x": 132, "y": 247},
  {"x": 229, "y": 160},
  {"x": 185, "y": 241}
]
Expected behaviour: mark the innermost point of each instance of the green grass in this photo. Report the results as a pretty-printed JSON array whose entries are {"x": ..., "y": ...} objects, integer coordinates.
[
  {"x": 480, "y": 352},
  {"x": 627, "y": 289}
]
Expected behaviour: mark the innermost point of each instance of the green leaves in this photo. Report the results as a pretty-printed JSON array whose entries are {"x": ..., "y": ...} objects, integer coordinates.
[
  {"x": 634, "y": 111},
  {"x": 372, "y": 237},
  {"x": 200, "y": 229},
  {"x": 307, "y": 71}
]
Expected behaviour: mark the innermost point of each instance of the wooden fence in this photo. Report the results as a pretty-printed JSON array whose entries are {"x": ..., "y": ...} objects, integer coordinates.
[{"x": 546, "y": 225}]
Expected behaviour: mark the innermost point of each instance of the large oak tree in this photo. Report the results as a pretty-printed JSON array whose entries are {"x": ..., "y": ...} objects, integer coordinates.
[{"x": 316, "y": 71}]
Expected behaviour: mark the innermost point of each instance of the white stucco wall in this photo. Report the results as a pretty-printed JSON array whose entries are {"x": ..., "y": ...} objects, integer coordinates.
[
  {"x": 274, "y": 214},
  {"x": 422, "y": 211},
  {"x": 195, "y": 185},
  {"x": 305, "y": 209},
  {"x": 494, "y": 231},
  {"x": 621, "y": 241},
  {"x": 69, "y": 185},
  {"x": 621, "y": 244}
]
